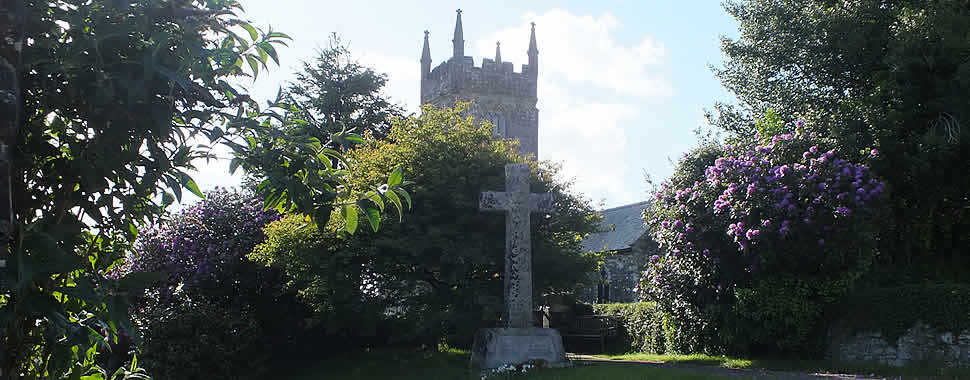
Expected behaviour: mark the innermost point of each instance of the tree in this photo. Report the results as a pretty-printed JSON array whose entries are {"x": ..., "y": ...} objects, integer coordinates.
[
  {"x": 334, "y": 93},
  {"x": 115, "y": 96},
  {"x": 13, "y": 15},
  {"x": 890, "y": 75},
  {"x": 440, "y": 271},
  {"x": 295, "y": 157}
]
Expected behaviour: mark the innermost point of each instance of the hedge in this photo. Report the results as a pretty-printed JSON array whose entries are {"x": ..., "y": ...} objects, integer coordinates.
[
  {"x": 892, "y": 311},
  {"x": 641, "y": 326}
]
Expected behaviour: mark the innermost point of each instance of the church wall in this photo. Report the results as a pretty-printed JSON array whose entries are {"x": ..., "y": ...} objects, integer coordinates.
[{"x": 493, "y": 89}]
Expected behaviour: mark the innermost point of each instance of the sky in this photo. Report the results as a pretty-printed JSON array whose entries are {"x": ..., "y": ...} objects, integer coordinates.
[{"x": 623, "y": 85}]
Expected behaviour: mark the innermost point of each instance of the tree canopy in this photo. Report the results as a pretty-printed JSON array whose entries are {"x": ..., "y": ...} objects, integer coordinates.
[{"x": 893, "y": 76}]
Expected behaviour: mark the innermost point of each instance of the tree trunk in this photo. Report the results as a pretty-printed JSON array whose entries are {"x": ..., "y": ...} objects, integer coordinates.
[{"x": 12, "y": 19}]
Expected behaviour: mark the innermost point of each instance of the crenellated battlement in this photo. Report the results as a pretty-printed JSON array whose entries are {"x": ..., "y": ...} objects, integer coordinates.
[
  {"x": 489, "y": 78},
  {"x": 499, "y": 94}
]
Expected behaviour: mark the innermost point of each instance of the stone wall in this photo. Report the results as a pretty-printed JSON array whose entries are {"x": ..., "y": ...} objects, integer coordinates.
[
  {"x": 496, "y": 92},
  {"x": 920, "y": 344}
]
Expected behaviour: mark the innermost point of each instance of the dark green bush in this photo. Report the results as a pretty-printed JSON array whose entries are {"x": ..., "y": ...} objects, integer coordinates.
[
  {"x": 892, "y": 311},
  {"x": 641, "y": 327}
]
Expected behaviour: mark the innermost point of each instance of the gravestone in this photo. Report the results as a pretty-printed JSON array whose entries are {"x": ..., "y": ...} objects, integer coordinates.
[{"x": 518, "y": 341}]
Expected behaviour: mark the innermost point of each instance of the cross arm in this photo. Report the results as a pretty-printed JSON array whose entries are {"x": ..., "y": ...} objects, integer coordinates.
[
  {"x": 494, "y": 201},
  {"x": 541, "y": 203}
]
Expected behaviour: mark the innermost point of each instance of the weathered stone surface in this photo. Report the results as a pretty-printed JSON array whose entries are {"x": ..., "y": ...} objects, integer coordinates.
[
  {"x": 497, "y": 346},
  {"x": 519, "y": 341},
  {"x": 517, "y": 203},
  {"x": 919, "y": 344}
]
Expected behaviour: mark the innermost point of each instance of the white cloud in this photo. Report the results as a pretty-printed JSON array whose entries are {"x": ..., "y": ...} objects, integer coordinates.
[
  {"x": 403, "y": 73},
  {"x": 590, "y": 141},
  {"x": 578, "y": 55},
  {"x": 584, "y": 50}
]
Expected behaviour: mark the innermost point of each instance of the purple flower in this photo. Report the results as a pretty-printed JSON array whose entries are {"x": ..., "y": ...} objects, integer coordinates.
[
  {"x": 813, "y": 149},
  {"x": 874, "y": 152},
  {"x": 654, "y": 258},
  {"x": 752, "y": 234},
  {"x": 706, "y": 252}
]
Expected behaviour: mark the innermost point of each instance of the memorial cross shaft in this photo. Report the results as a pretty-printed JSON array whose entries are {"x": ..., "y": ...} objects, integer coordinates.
[{"x": 517, "y": 203}]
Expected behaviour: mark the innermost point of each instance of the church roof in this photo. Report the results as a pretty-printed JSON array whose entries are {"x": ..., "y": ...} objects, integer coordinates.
[{"x": 621, "y": 226}]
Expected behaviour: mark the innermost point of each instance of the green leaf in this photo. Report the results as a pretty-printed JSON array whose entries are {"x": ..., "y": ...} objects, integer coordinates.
[
  {"x": 271, "y": 51},
  {"x": 189, "y": 183},
  {"x": 349, "y": 213},
  {"x": 404, "y": 194},
  {"x": 278, "y": 35},
  {"x": 252, "y": 31},
  {"x": 374, "y": 197},
  {"x": 322, "y": 215},
  {"x": 253, "y": 64},
  {"x": 234, "y": 164},
  {"x": 374, "y": 217},
  {"x": 396, "y": 177},
  {"x": 167, "y": 199},
  {"x": 396, "y": 201}
]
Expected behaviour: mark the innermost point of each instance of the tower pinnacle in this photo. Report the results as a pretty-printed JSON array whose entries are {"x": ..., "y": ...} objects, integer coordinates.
[
  {"x": 459, "y": 40},
  {"x": 426, "y": 51},
  {"x": 533, "y": 52},
  {"x": 498, "y": 53}
]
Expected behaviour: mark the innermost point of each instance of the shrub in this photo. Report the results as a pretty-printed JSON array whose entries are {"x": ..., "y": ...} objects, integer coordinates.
[
  {"x": 641, "y": 326},
  {"x": 326, "y": 274},
  {"x": 759, "y": 235},
  {"x": 892, "y": 311},
  {"x": 213, "y": 307}
]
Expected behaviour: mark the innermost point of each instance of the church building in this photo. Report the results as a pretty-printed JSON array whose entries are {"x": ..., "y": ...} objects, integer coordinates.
[{"x": 499, "y": 95}]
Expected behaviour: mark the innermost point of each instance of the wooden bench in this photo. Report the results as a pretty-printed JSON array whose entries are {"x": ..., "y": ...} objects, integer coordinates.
[{"x": 591, "y": 327}]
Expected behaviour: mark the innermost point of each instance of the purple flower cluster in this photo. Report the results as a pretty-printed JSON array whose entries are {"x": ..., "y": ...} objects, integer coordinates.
[
  {"x": 773, "y": 192},
  {"x": 200, "y": 242}
]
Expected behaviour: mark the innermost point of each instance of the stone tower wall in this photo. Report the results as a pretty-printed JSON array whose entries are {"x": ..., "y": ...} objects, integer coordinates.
[{"x": 496, "y": 92}]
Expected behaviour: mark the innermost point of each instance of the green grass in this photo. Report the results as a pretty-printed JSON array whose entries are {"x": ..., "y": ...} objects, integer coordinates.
[
  {"x": 824, "y": 366},
  {"x": 453, "y": 365}
]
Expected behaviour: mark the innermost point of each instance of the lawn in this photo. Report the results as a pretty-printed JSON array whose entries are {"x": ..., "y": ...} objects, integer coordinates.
[
  {"x": 922, "y": 371},
  {"x": 453, "y": 365}
]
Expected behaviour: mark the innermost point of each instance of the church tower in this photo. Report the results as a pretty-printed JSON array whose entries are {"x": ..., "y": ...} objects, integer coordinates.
[{"x": 498, "y": 94}]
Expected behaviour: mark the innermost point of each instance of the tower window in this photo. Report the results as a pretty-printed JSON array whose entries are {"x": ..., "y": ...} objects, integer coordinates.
[{"x": 499, "y": 124}]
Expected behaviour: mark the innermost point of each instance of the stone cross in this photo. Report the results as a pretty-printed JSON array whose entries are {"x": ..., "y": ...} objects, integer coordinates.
[{"x": 517, "y": 203}]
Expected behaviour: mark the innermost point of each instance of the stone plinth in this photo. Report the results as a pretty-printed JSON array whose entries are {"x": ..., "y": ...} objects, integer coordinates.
[{"x": 495, "y": 347}]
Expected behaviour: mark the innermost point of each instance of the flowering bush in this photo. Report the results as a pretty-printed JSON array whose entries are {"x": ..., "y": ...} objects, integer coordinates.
[
  {"x": 758, "y": 235},
  {"x": 213, "y": 308}
]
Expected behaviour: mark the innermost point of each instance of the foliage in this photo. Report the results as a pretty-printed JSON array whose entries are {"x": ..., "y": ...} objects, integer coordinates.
[
  {"x": 641, "y": 326},
  {"x": 335, "y": 92},
  {"x": 113, "y": 94},
  {"x": 325, "y": 274},
  {"x": 886, "y": 75},
  {"x": 892, "y": 311},
  {"x": 214, "y": 314},
  {"x": 756, "y": 243},
  {"x": 295, "y": 156},
  {"x": 439, "y": 272}
]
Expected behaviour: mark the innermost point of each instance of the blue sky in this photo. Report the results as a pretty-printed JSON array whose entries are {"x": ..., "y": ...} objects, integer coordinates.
[{"x": 622, "y": 85}]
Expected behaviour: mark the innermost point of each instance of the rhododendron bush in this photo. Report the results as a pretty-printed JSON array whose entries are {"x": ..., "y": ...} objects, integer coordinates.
[{"x": 758, "y": 235}]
